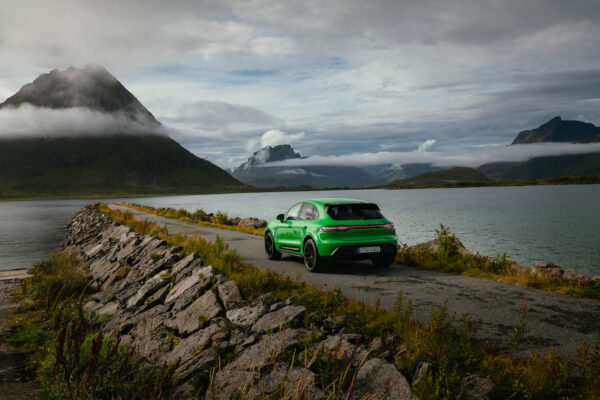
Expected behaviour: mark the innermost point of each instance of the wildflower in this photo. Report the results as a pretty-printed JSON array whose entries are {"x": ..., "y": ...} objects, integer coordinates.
[
  {"x": 345, "y": 354},
  {"x": 387, "y": 383}
]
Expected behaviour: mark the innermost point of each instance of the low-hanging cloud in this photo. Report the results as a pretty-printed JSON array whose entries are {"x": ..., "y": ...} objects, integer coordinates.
[
  {"x": 274, "y": 137},
  {"x": 426, "y": 145},
  {"x": 30, "y": 121},
  {"x": 466, "y": 158}
]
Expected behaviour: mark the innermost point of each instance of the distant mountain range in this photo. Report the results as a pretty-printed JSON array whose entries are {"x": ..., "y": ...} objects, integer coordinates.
[
  {"x": 557, "y": 130},
  {"x": 105, "y": 163},
  {"x": 446, "y": 176},
  {"x": 254, "y": 172}
]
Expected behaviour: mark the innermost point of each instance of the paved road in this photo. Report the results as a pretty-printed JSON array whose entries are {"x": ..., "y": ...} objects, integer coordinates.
[{"x": 553, "y": 319}]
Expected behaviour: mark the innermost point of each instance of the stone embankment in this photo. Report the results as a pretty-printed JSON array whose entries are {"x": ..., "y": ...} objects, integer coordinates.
[{"x": 175, "y": 309}]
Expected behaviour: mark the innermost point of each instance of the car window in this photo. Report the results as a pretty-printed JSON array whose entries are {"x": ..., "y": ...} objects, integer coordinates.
[
  {"x": 293, "y": 212},
  {"x": 308, "y": 212},
  {"x": 354, "y": 211}
]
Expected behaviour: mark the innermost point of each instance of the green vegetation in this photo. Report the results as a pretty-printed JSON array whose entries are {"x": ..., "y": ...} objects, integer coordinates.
[
  {"x": 448, "y": 255},
  {"x": 446, "y": 341},
  {"x": 200, "y": 217},
  {"x": 71, "y": 356}
]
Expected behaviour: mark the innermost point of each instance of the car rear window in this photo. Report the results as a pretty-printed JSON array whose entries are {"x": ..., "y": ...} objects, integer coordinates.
[{"x": 351, "y": 211}]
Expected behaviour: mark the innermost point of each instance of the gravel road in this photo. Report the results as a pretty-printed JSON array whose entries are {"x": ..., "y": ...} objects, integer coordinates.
[{"x": 554, "y": 320}]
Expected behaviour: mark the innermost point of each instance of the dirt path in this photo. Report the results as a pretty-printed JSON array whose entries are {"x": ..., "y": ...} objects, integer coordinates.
[
  {"x": 15, "y": 381},
  {"x": 554, "y": 320}
]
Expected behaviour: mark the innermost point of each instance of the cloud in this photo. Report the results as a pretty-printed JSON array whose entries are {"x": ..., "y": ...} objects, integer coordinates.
[
  {"x": 426, "y": 145},
  {"x": 274, "y": 137},
  {"x": 465, "y": 158},
  {"x": 30, "y": 121},
  {"x": 269, "y": 47}
]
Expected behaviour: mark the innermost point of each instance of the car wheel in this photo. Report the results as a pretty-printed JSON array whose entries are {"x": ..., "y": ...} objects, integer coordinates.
[
  {"x": 270, "y": 250},
  {"x": 312, "y": 260},
  {"x": 383, "y": 262}
]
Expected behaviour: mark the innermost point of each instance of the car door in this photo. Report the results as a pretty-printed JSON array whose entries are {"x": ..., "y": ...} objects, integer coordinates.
[{"x": 284, "y": 237}]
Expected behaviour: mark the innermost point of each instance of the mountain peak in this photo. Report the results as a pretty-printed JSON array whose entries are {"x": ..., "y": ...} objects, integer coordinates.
[
  {"x": 559, "y": 130},
  {"x": 271, "y": 154},
  {"x": 92, "y": 87}
]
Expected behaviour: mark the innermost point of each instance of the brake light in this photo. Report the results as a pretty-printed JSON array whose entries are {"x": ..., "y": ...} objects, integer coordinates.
[{"x": 348, "y": 227}]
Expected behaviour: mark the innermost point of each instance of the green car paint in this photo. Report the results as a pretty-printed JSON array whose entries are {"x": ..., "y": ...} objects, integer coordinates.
[{"x": 321, "y": 230}]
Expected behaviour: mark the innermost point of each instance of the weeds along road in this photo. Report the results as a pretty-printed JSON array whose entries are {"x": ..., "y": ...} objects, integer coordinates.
[{"x": 554, "y": 320}]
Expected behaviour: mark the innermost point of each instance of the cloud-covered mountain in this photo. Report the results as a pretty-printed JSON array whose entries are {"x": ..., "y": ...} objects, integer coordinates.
[
  {"x": 81, "y": 132},
  {"x": 257, "y": 172}
]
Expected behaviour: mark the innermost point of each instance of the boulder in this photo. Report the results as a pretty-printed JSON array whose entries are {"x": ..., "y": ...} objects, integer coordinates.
[
  {"x": 190, "y": 260},
  {"x": 576, "y": 277},
  {"x": 229, "y": 383},
  {"x": 150, "y": 286},
  {"x": 542, "y": 270},
  {"x": 246, "y": 316},
  {"x": 183, "y": 285},
  {"x": 265, "y": 351},
  {"x": 229, "y": 293},
  {"x": 192, "y": 345},
  {"x": 477, "y": 388},
  {"x": 108, "y": 308},
  {"x": 339, "y": 347},
  {"x": 279, "y": 318},
  {"x": 252, "y": 222},
  {"x": 299, "y": 381},
  {"x": 382, "y": 379},
  {"x": 192, "y": 318}
]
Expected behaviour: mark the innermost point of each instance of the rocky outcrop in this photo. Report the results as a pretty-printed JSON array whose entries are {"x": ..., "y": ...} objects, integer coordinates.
[{"x": 173, "y": 309}]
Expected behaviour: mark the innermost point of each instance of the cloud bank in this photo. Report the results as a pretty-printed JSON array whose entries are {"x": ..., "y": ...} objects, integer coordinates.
[
  {"x": 274, "y": 137},
  {"x": 30, "y": 121},
  {"x": 465, "y": 158}
]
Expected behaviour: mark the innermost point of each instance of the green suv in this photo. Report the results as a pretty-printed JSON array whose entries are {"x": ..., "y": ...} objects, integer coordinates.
[{"x": 332, "y": 229}]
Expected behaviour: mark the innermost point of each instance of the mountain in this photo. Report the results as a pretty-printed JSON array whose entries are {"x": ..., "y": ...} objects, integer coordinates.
[
  {"x": 102, "y": 163},
  {"x": 557, "y": 130},
  {"x": 451, "y": 175},
  {"x": 255, "y": 172}
]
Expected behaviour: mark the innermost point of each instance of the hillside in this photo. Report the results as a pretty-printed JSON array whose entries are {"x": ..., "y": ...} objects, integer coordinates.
[
  {"x": 102, "y": 163},
  {"x": 446, "y": 176},
  {"x": 255, "y": 172}
]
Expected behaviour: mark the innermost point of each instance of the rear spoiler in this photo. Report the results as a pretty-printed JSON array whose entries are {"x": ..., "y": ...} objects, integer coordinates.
[{"x": 369, "y": 205}]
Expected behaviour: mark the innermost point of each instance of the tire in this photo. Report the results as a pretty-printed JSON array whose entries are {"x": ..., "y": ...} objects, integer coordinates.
[
  {"x": 312, "y": 259},
  {"x": 270, "y": 250},
  {"x": 383, "y": 261}
]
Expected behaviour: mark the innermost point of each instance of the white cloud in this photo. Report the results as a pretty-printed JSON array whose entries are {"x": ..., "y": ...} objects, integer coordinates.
[
  {"x": 269, "y": 47},
  {"x": 28, "y": 121},
  {"x": 463, "y": 158},
  {"x": 274, "y": 137},
  {"x": 426, "y": 145}
]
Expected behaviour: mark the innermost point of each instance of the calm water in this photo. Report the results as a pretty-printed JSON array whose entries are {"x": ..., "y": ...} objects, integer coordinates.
[{"x": 560, "y": 224}]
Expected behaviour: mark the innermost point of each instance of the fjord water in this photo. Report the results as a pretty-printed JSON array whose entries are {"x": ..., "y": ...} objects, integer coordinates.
[{"x": 559, "y": 224}]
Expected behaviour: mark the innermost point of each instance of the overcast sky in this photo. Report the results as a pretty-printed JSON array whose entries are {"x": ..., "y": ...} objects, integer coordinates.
[{"x": 331, "y": 77}]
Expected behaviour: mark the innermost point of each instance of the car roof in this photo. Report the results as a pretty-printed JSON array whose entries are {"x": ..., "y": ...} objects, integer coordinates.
[{"x": 332, "y": 200}]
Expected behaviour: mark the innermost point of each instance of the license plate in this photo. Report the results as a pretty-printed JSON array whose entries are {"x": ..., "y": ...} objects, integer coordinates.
[{"x": 370, "y": 249}]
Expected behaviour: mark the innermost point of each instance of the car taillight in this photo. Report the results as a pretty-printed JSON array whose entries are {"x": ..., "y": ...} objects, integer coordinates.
[{"x": 347, "y": 227}]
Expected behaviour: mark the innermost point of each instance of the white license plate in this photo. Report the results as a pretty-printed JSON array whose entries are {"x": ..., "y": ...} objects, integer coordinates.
[{"x": 371, "y": 249}]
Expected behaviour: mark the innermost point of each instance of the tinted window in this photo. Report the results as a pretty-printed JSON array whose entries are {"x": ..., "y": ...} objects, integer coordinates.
[
  {"x": 354, "y": 211},
  {"x": 293, "y": 212},
  {"x": 309, "y": 211}
]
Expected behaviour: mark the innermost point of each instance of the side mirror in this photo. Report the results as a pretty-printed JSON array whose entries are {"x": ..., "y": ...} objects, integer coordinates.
[{"x": 281, "y": 217}]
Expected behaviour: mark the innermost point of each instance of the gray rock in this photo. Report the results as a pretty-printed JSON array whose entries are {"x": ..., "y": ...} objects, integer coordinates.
[
  {"x": 343, "y": 348},
  {"x": 252, "y": 222},
  {"x": 246, "y": 316},
  {"x": 191, "y": 260},
  {"x": 266, "y": 350},
  {"x": 196, "y": 363},
  {"x": 192, "y": 345},
  {"x": 596, "y": 279},
  {"x": 229, "y": 293},
  {"x": 108, "y": 309},
  {"x": 229, "y": 381},
  {"x": 279, "y": 318},
  {"x": 98, "y": 250},
  {"x": 183, "y": 285},
  {"x": 542, "y": 270},
  {"x": 196, "y": 314},
  {"x": 477, "y": 388},
  {"x": 382, "y": 379},
  {"x": 299, "y": 381},
  {"x": 150, "y": 286},
  {"x": 576, "y": 277}
]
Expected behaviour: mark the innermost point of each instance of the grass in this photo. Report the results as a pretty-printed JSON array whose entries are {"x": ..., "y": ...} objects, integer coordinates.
[
  {"x": 71, "y": 357},
  {"x": 448, "y": 258},
  {"x": 200, "y": 217},
  {"x": 446, "y": 341}
]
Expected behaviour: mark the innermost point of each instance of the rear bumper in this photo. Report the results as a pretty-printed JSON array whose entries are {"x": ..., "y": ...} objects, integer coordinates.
[{"x": 351, "y": 252}]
